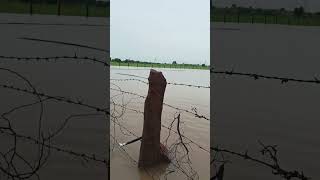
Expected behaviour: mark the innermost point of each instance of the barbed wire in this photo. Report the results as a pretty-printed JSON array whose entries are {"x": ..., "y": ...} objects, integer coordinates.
[
  {"x": 171, "y": 106},
  {"x": 132, "y": 75},
  {"x": 12, "y": 159},
  {"x": 92, "y": 157},
  {"x": 180, "y": 146},
  {"x": 168, "y": 128},
  {"x": 269, "y": 151},
  {"x": 169, "y": 83},
  {"x": 65, "y": 43},
  {"x": 74, "y": 58},
  {"x": 45, "y": 142},
  {"x": 174, "y": 154},
  {"x": 266, "y": 149},
  {"x": 260, "y": 76},
  {"x": 57, "y": 98},
  {"x": 15, "y": 161}
]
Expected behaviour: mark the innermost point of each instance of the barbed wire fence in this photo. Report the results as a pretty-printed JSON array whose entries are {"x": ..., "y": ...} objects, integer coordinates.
[
  {"x": 179, "y": 150},
  {"x": 218, "y": 162},
  {"x": 15, "y": 162},
  {"x": 269, "y": 152},
  {"x": 11, "y": 168},
  {"x": 179, "y": 146}
]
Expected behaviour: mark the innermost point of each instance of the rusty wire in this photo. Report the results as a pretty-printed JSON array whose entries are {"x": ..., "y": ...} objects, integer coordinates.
[
  {"x": 256, "y": 76},
  {"x": 55, "y": 59},
  {"x": 12, "y": 157},
  {"x": 218, "y": 162},
  {"x": 269, "y": 151},
  {"x": 179, "y": 146}
]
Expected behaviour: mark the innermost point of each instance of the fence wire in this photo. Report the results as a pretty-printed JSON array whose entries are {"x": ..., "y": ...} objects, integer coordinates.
[
  {"x": 15, "y": 162},
  {"x": 179, "y": 146},
  {"x": 256, "y": 76},
  {"x": 218, "y": 154}
]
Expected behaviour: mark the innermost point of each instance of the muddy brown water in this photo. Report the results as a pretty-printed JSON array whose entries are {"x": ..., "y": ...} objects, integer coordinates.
[
  {"x": 246, "y": 110},
  {"x": 86, "y": 81},
  {"x": 122, "y": 166}
]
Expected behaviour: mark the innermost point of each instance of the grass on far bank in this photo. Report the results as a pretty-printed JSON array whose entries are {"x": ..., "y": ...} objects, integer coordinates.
[
  {"x": 67, "y": 9},
  {"x": 313, "y": 20},
  {"x": 159, "y": 65}
]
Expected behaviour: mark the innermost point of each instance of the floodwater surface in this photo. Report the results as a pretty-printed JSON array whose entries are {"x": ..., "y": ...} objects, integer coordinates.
[
  {"x": 72, "y": 79},
  {"x": 183, "y": 97},
  {"x": 247, "y": 110}
]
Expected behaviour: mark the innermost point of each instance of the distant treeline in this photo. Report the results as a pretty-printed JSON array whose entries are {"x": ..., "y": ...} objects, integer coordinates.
[
  {"x": 68, "y": 1},
  {"x": 88, "y": 8},
  {"x": 234, "y": 9},
  {"x": 142, "y": 62},
  {"x": 238, "y": 14}
]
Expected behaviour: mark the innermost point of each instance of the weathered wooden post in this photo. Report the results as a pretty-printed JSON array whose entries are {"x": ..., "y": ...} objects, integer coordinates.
[{"x": 150, "y": 143}]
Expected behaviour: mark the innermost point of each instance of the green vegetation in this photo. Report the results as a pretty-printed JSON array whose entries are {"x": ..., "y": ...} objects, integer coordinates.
[
  {"x": 67, "y": 7},
  {"x": 174, "y": 64},
  {"x": 267, "y": 16}
]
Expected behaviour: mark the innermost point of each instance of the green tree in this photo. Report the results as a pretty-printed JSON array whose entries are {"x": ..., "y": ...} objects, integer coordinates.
[{"x": 116, "y": 59}]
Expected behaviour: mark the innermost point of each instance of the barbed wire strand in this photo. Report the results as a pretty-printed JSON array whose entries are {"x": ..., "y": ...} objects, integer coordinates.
[{"x": 260, "y": 76}]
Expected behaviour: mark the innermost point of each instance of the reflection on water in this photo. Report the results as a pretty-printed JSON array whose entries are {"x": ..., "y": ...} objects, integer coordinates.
[{"x": 125, "y": 160}]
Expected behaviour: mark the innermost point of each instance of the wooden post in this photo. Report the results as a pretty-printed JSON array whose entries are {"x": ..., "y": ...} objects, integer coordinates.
[{"x": 150, "y": 143}]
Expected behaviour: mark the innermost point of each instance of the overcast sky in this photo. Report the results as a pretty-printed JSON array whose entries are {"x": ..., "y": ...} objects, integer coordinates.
[
  {"x": 310, "y": 5},
  {"x": 161, "y": 31}
]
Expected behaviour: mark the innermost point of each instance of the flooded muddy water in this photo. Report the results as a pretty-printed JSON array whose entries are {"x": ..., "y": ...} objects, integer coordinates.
[
  {"x": 124, "y": 160},
  {"x": 247, "y": 110}
]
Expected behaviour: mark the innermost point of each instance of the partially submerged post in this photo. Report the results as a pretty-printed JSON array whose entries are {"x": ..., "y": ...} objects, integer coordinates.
[{"x": 150, "y": 143}]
